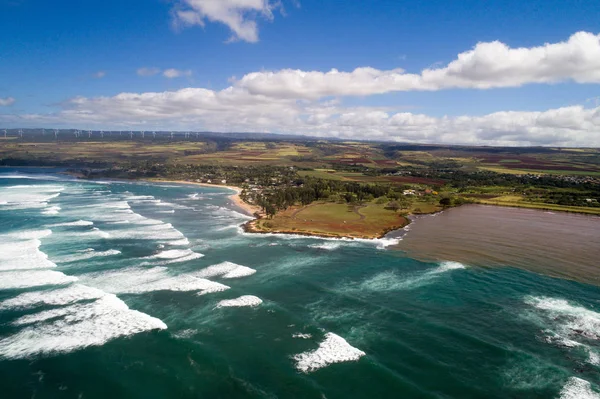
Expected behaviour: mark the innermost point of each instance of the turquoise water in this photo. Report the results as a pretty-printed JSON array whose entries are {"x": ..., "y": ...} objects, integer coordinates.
[{"x": 125, "y": 290}]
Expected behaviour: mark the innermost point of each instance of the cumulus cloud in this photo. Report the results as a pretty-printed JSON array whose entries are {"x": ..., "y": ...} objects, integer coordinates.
[
  {"x": 487, "y": 65},
  {"x": 5, "y": 102},
  {"x": 234, "y": 109},
  {"x": 240, "y": 16},
  {"x": 176, "y": 73},
  {"x": 148, "y": 71}
]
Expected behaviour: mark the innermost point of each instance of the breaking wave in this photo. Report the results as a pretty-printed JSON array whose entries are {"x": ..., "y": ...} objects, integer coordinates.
[
  {"x": 136, "y": 280},
  {"x": 176, "y": 256},
  {"x": 244, "y": 300},
  {"x": 77, "y": 326},
  {"x": 391, "y": 281},
  {"x": 576, "y": 388},
  {"x": 334, "y": 349},
  {"x": 225, "y": 270}
]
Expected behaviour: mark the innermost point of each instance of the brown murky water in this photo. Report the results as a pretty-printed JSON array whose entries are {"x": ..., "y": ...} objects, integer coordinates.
[{"x": 558, "y": 244}]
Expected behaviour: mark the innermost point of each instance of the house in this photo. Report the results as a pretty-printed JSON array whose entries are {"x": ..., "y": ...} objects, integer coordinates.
[{"x": 409, "y": 192}]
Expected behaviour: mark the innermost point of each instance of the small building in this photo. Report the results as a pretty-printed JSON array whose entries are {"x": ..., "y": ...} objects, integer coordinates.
[{"x": 409, "y": 192}]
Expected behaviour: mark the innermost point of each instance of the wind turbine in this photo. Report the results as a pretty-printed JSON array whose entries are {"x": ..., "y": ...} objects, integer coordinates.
[
  {"x": 76, "y": 133},
  {"x": 171, "y": 135},
  {"x": 21, "y": 133},
  {"x": 4, "y": 133},
  {"x": 102, "y": 133},
  {"x": 153, "y": 134},
  {"x": 131, "y": 134},
  {"x": 143, "y": 134},
  {"x": 43, "y": 132},
  {"x": 56, "y": 134},
  {"x": 89, "y": 134}
]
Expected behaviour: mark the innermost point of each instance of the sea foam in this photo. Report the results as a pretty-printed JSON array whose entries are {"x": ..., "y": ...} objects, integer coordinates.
[
  {"x": 576, "y": 388},
  {"x": 176, "y": 256},
  {"x": 244, "y": 300},
  {"x": 225, "y": 270},
  {"x": 77, "y": 326},
  {"x": 33, "y": 278},
  {"x": 334, "y": 349},
  {"x": 62, "y": 296},
  {"x": 139, "y": 280}
]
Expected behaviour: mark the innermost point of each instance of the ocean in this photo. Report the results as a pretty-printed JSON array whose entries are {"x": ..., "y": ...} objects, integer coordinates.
[{"x": 152, "y": 290}]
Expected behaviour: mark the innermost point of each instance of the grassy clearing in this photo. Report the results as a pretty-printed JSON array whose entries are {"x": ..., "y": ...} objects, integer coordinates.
[{"x": 333, "y": 219}]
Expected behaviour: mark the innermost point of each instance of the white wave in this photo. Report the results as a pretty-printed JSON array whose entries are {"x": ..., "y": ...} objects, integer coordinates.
[
  {"x": 20, "y": 251},
  {"x": 576, "y": 388},
  {"x": 448, "y": 265},
  {"x": 569, "y": 320},
  {"x": 390, "y": 281},
  {"x": 51, "y": 210},
  {"x": 23, "y": 255},
  {"x": 62, "y": 296},
  {"x": 79, "y": 326},
  {"x": 151, "y": 229},
  {"x": 334, "y": 349},
  {"x": 30, "y": 234},
  {"x": 171, "y": 211},
  {"x": 225, "y": 270},
  {"x": 140, "y": 197},
  {"x": 89, "y": 254},
  {"x": 28, "y": 177},
  {"x": 301, "y": 335},
  {"x": 244, "y": 300},
  {"x": 33, "y": 278},
  {"x": 28, "y": 196},
  {"x": 138, "y": 280},
  {"x": 176, "y": 256},
  {"x": 329, "y": 246},
  {"x": 72, "y": 224},
  {"x": 380, "y": 243}
]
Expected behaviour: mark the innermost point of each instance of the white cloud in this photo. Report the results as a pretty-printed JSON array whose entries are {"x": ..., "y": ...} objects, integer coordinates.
[
  {"x": 487, "y": 65},
  {"x": 148, "y": 71},
  {"x": 234, "y": 109},
  {"x": 5, "y": 102},
  {"x": 176, "y": 73},
  {"x": 99, "y": 74},
  {"x": 297, "y": 102},
  {"x": 239, "y": 15}
]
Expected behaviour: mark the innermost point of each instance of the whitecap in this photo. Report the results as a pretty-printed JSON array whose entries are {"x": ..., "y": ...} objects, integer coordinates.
[
  {"x": 243, "y": 301},
  {"x": 175, "y": 256},
  {"x": 62, "y": 296},
  {"x": 329, "y": 246},
  {"x": 576, "y": 388},
  {"x": 78, "y": 327},
  {"x": 225, "y": 270},
  {"x": 33, "y": 278},
  {"x": 72, "y": 224},
  {"x": 139, "y": 280},
  {"x": 88, "y": 254},
  {"x": 334, "y": 349},
  {"x": 301, "y": 335}
]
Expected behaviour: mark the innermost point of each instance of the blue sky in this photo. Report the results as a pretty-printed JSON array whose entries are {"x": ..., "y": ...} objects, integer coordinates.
[{"x": 261, "y": 65}]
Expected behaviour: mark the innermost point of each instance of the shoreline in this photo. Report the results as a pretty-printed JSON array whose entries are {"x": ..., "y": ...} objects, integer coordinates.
[
  {"x": 256, "y": 212},
  {"x": 251, "y": 210}
]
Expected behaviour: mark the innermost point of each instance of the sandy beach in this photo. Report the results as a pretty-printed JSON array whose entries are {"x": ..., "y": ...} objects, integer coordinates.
[{"x": 252, "y": 210}]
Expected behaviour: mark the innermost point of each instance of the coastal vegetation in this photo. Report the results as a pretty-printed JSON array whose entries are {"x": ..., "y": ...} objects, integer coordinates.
[{"x": 310, "y": 186}]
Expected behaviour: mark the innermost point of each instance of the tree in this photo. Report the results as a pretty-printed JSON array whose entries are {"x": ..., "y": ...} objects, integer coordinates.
[
  {"x": 446, "y": 201},
  {"x": 393, "y": 205}
]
